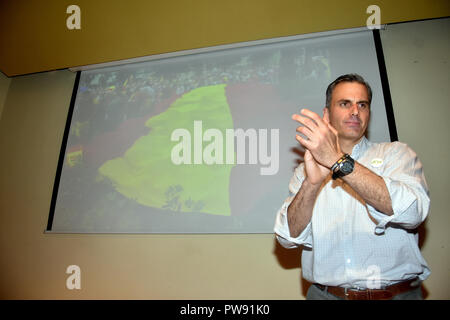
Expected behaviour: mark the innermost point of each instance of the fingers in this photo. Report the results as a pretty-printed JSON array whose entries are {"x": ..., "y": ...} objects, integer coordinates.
[
  {"x": 317, "y": 119},
  {"x": 305, "y": 131},
  {"x": 308, "y": 128},
  {"x": 318, "y": 136},
  {"x": 312, "y": 122},
  {"x": 307, "y": 122},
  {"x": 305, "y": 143},
  {"x": 310, "y": 119}
]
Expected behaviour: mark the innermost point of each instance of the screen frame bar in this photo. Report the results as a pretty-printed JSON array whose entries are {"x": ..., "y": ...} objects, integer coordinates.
[{"x": 62, "y": 152}]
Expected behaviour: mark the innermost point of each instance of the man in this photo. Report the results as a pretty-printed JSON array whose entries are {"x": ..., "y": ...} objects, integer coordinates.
[{"x": 354, "y": 205}]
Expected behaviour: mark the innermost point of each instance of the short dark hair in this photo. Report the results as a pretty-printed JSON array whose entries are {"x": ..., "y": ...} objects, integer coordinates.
[{"x": 351, "y": 77}]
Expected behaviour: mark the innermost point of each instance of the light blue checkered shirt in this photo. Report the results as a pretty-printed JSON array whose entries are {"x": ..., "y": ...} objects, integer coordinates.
[{"x": 350, "y": 244}]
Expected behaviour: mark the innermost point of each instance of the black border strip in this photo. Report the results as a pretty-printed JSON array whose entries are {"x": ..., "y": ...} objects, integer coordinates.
[
  {"x": 385, "y": 86},
  {"x": 62, "y": 152}
]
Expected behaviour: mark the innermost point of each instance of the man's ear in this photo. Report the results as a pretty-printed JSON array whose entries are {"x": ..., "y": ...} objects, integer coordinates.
[{"x": 326, "y": 115}]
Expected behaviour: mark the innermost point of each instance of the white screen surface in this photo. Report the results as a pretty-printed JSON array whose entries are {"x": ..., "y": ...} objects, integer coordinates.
[{"x": 202, "y": 143}]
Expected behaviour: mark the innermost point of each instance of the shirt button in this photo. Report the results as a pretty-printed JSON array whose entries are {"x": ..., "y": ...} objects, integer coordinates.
[{"x": 348, "y": 261}]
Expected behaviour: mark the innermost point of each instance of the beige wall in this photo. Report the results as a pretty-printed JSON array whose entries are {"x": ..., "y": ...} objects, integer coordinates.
[
  {"x": 417, "y": 60},
  {"x": 4, "y": 86},
  {"x": 33, "y": 264},
  {"x": 34, "y": 36}
]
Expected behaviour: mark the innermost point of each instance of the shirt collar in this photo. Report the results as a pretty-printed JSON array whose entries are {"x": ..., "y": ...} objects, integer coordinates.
[{"x": 360, "y": 148}]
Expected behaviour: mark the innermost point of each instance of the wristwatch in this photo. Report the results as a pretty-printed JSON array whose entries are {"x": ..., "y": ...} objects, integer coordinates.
[{"x": 343, "y": 167}]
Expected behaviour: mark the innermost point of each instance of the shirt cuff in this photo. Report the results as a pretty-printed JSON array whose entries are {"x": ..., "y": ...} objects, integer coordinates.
[
  {"x": 283, "y": 234},
  {"x": 404, "y": 206}
]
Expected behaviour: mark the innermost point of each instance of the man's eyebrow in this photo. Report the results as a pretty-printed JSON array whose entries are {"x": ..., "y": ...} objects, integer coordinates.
[{"x": 347, "y": 100}]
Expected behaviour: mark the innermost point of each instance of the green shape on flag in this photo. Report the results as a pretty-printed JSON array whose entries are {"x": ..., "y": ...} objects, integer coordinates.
[{"x": 146, "y": 173}]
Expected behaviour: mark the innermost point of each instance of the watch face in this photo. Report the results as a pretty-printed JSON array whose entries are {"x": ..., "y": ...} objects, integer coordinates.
[{"x": 347, "y": 167}]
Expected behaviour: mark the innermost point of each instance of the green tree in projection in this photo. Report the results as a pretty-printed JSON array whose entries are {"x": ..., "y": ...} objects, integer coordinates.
[{"x": 147, "y": 174}]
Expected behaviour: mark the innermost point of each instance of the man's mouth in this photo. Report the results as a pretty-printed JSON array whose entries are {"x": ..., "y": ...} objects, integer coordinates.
[{"x": 353, "y": 123}]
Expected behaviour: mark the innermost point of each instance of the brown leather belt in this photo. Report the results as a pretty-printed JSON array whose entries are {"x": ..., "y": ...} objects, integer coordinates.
[{"x": 372, "y": 294}]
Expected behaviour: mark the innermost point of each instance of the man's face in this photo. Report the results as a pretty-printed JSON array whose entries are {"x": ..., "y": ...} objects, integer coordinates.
[{"x": 349, "y": 111}]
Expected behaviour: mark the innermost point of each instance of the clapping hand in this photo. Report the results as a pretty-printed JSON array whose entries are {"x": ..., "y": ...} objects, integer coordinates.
[{"x": 321, "y": 145}]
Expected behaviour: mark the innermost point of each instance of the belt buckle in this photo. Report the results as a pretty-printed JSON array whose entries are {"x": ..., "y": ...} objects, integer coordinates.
[
  {"x": 374, "y": 294},
  {"x": 352, "y": 294},
  {"x": 357, "y": 294}
]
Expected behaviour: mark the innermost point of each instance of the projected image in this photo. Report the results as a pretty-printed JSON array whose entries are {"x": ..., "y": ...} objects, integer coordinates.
[{"x": 200, "y": 143}]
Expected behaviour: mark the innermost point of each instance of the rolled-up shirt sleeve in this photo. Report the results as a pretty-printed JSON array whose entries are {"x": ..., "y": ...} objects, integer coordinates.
[
  {"x": 281, "y": 228},
  {"x": 405, "y": 181}
]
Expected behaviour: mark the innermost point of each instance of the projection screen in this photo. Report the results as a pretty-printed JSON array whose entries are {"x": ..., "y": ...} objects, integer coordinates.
[{"x": 199, "y": 143}]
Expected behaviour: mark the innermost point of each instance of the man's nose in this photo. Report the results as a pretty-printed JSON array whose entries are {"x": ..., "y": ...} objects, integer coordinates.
[{"x": 354, "y": 109}]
